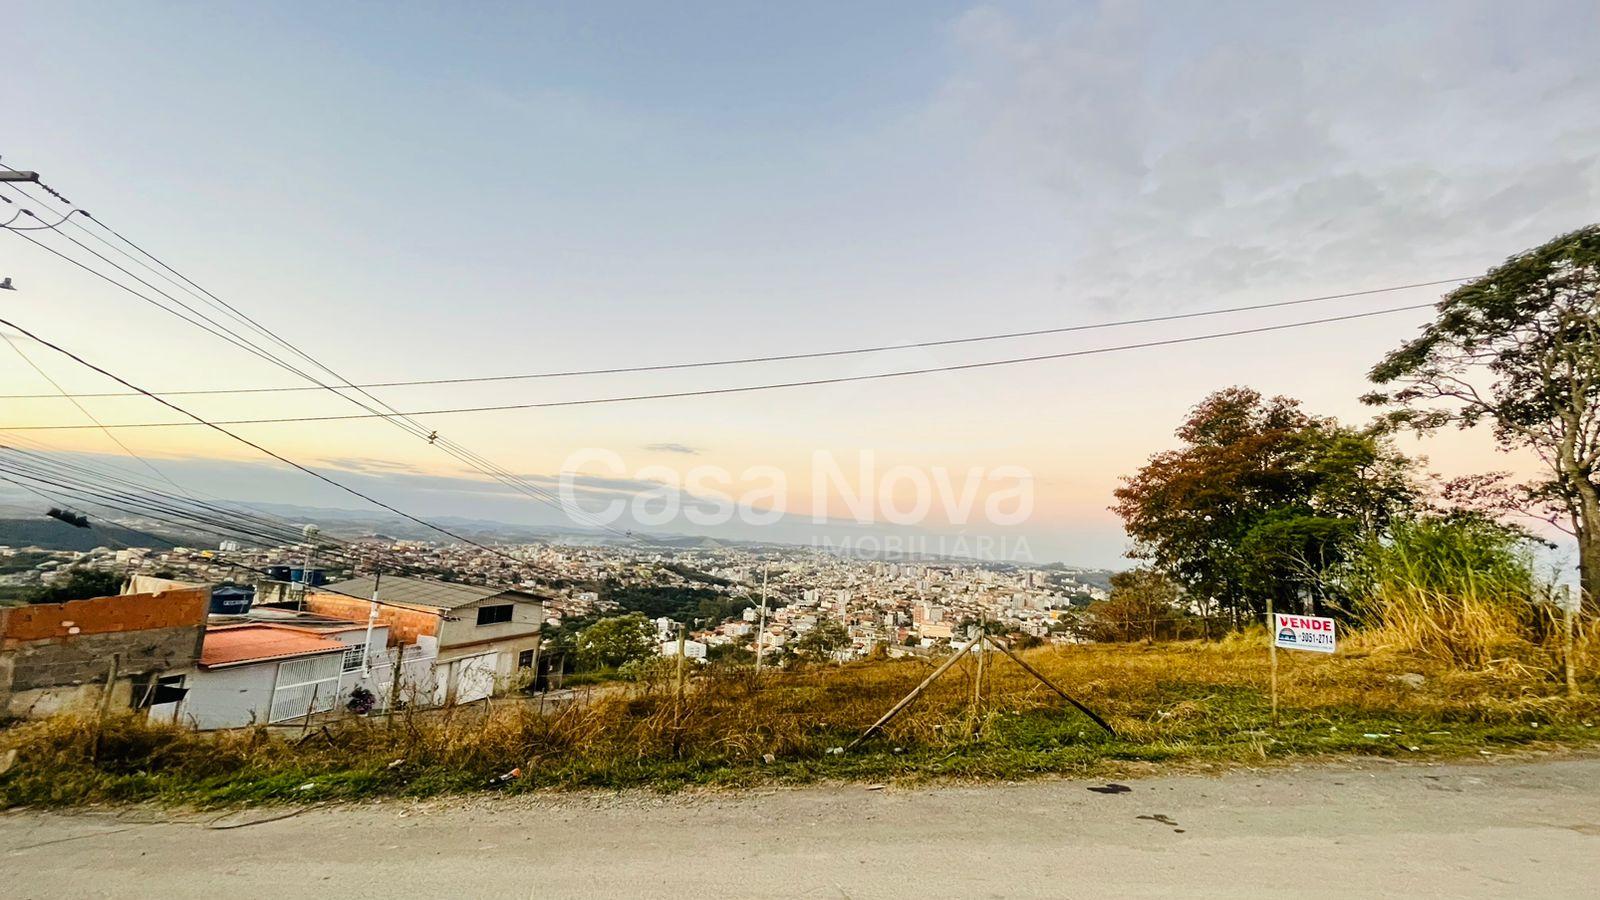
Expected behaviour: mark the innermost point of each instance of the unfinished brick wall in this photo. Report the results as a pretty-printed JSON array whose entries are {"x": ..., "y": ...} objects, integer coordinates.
[
  {"x": 59, "y": 644},
  {"x": 405, "y": 625},
  {"x": 181, "y": 608}
]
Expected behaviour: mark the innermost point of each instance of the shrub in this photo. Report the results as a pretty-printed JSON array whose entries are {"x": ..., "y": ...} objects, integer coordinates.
[{"x": 1459, "y": 588}]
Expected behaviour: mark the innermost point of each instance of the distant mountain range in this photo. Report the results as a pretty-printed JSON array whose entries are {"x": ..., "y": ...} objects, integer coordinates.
[
  {"x": 51, "y": 534},
  {"x": 352, "y": 524}
]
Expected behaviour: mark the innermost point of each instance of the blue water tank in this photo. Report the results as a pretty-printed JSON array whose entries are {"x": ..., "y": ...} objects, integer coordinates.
[
  {"x": 231, "y": 599},
  {"x": 313, "y": 577}
]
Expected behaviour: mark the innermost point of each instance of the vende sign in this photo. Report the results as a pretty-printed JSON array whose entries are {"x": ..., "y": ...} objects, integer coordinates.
[{"x": 1303, "y": 633}]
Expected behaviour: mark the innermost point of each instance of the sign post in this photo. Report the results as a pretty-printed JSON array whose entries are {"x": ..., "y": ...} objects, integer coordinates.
[
  {"x": 1291, "y": 632},
  {"x": 1272, "y": 653}
]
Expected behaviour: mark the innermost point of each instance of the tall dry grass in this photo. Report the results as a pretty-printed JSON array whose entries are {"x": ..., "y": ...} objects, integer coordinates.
[
  {"x": 1462, "y": 591},
  {"x": 1185, "y": 701}
]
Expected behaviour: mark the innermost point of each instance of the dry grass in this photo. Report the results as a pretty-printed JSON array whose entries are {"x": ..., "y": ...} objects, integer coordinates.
[{"x": 1185, "y": 702}]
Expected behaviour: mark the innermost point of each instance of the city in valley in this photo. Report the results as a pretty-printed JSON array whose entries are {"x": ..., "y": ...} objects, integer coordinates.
[{"x": 903, "y": 449}]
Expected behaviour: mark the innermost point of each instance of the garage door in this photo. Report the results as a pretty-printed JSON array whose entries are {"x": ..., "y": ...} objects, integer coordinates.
[{"x": 475, "y": 677}]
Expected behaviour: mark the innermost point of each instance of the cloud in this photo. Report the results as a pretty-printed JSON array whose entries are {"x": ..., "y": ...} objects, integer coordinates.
[
  {"x": 368, "y": 465},
  {"x": 1193, "y": 151},
  {"x": 670, "y": 447}
]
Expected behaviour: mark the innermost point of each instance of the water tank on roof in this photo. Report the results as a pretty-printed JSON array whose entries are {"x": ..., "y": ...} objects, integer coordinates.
[
  {"x": 231, "y": 599},
  {"x": 310, "y": 577}
]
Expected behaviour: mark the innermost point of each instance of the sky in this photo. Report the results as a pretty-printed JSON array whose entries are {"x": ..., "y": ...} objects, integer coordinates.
[{"x": 413, "y": 191}]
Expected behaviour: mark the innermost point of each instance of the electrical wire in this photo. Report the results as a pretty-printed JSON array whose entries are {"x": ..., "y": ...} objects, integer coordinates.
[
  {"x": 822, "y": 354},
  {"x": 706, "y": 392},
  {"x": 406, "y": 423},
  {"x": 259, "y": 448}
]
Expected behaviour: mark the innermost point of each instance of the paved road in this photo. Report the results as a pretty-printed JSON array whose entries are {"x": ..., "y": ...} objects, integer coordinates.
[{"x": 1512, "y": 829}]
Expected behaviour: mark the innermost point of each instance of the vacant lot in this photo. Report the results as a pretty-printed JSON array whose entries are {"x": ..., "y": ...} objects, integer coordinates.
[{"x": 1177, "y": 705}]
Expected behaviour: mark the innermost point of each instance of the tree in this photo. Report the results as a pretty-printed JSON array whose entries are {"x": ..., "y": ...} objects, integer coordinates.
[
  {"x": 80, "y": 584},
  {"x": 1144, "y": 604},
  {"x": 612, "y": 642},
  {"x": 826, "y": 638},
  {"x": 1519, "y": 348},
  {"x": 1259, "y": 501}
]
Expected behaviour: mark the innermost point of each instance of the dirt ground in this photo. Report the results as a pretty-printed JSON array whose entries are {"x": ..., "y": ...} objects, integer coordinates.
[{"x": 1525, "y": 827}]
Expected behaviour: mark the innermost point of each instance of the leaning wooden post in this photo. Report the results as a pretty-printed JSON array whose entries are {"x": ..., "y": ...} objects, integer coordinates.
[
  {"x": 310, "y": 708},
  {"x": 917, "y": 691},
  {"x": 1051, "y": 685}
]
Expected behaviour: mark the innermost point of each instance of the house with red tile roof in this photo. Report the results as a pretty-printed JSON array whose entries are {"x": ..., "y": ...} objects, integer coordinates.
[{"x": 262, "y": 673}]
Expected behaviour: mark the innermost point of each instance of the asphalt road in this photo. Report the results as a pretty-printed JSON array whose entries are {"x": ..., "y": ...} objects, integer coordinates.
[{"x": 1529, "y": 828}]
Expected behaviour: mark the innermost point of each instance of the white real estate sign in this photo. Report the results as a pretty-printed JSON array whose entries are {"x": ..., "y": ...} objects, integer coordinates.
[{"x": 1292, "y": 632}]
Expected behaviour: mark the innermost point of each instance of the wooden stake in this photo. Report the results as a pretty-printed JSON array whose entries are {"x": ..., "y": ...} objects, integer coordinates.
[
  {"x": 1272, "y": 654},
  {"x": 310, "y": 707},
  {"x": 394, "y": 683},
  {"x": 105, "y": 702},
  {"x": 916, "y": 692},
  {"x": 977, "y": 683},
  {"x": 1567, "y": 610},
  {"x": 1001, "y": 645}
]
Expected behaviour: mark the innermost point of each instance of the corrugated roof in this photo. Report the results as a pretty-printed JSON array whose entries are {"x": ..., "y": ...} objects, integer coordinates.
[
  {"x": 232, "y": 645},
  {"x": 433, "y": 594}
]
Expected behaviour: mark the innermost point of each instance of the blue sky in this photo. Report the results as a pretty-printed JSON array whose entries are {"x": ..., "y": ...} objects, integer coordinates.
[{"x": 424, "y": 190}]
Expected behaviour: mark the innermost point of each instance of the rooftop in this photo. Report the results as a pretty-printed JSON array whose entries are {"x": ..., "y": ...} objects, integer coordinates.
[
  {"x": 427, "y": 594},
  {"x": 232, "y": 645}
]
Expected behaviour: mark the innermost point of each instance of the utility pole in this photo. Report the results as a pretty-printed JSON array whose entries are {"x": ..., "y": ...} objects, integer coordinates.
[
  {"x": 761, "y": 629},
  {"x": 19, "y": 176},
  {"x": 372, "y": 619},
  {"x": 310, "y": 533}
]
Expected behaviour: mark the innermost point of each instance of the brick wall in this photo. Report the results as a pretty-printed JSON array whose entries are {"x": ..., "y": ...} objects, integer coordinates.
[
  {"x": 405, "y": 625},
  {"x": 182, "y": 608},
  {"x": 48, "y": 645}
]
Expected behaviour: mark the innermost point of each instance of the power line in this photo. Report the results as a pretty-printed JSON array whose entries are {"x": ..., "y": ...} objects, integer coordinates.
[
  {"x": 220, "y": 561},
  {"x": 473, "y": 460},
  {"x": 255, "y": 446},
  {"x": 821, "y": 354},
  {"x": 814, "y": 382}
]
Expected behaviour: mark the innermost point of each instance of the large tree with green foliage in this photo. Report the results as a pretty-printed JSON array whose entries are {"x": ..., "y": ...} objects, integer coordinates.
[
  {"x": 823, "y": 640},
  {"x": 1144, "y": 605},
  {"x": 1519, "y": 349},
  {"x": 611, "y": 642},
  {"x": 1260, "y": 500},
  {"x": 79, "y": 584}
]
